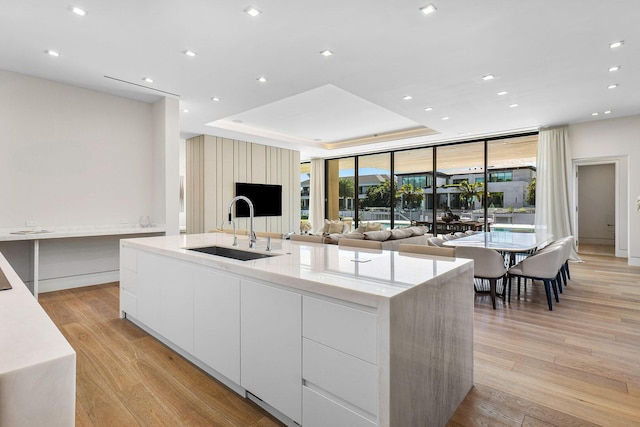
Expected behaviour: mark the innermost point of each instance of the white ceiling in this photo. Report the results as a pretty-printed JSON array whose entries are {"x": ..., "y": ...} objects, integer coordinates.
[{"x": 551, "y": 56}]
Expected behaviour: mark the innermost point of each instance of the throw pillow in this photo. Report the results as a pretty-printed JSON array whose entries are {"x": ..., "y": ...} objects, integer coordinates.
[
  {"x": 401, "y": 233},
  {"x": 379, "y": 236}
]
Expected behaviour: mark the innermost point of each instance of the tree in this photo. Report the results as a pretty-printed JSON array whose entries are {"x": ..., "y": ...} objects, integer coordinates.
[
  {"x": 378, "y": 195},
  {"x": 470, "y": 192},
  {"x": 346, "y": 190},
  {"x": 531, "y": 193},
  {"x": 410, "y": 196}
]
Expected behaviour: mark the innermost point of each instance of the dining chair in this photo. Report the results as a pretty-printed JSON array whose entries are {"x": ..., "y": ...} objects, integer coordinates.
[
  {"x": 427, "y": 250},
  {"x": 357, "y": 243},
  {"x": 543, "y": 266},
  {"x": 488, "y": 265},
  {"x": 435, "y": 241},
  {"x": 309, "y": 238}
]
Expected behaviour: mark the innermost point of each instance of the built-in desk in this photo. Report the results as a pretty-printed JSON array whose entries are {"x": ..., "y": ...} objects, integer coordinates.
[
  {"x": 37, "y": 364},
  {"x": 36, "y": 234}
]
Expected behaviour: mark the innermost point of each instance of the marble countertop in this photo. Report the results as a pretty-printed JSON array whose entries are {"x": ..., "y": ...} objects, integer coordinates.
[
  {"x": 41, "y": 233},
  {"x": 28, "y": 337},
  {"x": 358, "y": 275}
]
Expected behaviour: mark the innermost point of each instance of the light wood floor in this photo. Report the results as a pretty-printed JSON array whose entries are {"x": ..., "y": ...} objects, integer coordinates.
[{"x": 578, "y": 365}]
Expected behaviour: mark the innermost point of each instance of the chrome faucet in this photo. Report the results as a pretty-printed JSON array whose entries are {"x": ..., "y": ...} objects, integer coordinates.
[
  {"x": 232, "y": 222},
  {"x": 252, "y": 234}
]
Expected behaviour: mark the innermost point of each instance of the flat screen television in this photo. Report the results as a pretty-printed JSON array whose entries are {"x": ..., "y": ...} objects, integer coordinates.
[{"x": 266, "y": 198}]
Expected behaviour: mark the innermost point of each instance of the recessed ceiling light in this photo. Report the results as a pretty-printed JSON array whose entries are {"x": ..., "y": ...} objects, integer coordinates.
[
  {"x": 252, "y": 11},
  {"x": 52, "y": 53},
  {"x": 147, "y": 79},
  {"x": 262, "y": 79},
  {"x": 185, "y": 110},
  {"x": 488, "y": 77},
  {"x": 428, "y": 109},
  {"x": 190, "y": 53},
  {"x": 428, "y": 9},
  {"x": 614, "y": 68},
  {"x": 513, "y": 105},
  {"x": 613, "y": 86},
  {"x": 326, "y": 52},
  {"x": 407, "y": 97},
  {"x": 502, "y": 92},
  {"x": 78, "y": 11},
  {"x": 594, "y": 114},
  {"x": 616, "y": 44},
  {"x": 608, "y": 112},
  {"x": 445, "y": 118},
  {"x": 215, "y": 98}
]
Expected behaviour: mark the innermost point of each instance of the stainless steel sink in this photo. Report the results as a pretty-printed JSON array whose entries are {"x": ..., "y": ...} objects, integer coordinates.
[{"x": 232, "y": 253}]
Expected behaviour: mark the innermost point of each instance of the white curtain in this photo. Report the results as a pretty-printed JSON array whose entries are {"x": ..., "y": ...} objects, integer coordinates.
[
  {"x": 316, "y": 196},
  {"x": 552, "y": 191}
]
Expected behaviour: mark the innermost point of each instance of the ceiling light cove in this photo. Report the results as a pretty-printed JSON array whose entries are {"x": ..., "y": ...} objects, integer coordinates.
[
  {"x": 190, "y": 53},
  {"x": 252, "y": 11},
  {"x": 617, "y": 44},
  {"x": 78, "y": 11},
  {"x": 52, "y": 53},
  {"x": 428, "y": 9},
  {"x": 326, "y": 52},
  {"x": 262, "y": 79},
  {"x": 488, "y": 77}
]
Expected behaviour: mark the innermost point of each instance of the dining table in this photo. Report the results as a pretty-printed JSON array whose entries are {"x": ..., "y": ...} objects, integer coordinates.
[{"x": 509, "y": 243}]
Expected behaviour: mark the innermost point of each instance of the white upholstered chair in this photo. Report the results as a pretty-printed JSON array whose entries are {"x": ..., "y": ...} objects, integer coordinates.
[
  {"x": 544, "y": 265},
  {"x": 488, "y": 265}
]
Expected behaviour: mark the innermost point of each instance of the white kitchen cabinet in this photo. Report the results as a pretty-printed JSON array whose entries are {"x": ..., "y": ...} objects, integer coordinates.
[
  {"x": 271, "y": 359},
  {"x": 217, "y": 321},
  {"x": 128, "y": 281},
  {"x": 165, "y": 298},
  {"x": 320, "y": 411}
]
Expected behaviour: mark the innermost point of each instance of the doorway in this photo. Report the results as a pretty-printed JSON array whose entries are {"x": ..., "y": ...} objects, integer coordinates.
[{"x": 597, "y": 208}]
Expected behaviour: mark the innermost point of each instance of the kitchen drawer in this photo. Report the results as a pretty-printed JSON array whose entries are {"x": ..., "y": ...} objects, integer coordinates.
[
  {"x": 128, "y": 259},
  {"x": 349, "y": 378},
  {"x": 351, "y": 330},
  {"x": 320, "y": 411},
  {"x": 129, "y": 281},
  {"x": 129, "y": 303}
]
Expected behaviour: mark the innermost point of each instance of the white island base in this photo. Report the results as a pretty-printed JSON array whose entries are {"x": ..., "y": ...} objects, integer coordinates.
[
  {"x": 37, "y": 364},
  {"x": 319, "y": 335}
]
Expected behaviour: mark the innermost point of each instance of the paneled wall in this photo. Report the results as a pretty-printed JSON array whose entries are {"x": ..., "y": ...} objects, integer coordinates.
[{"x": 215, "y": 164}]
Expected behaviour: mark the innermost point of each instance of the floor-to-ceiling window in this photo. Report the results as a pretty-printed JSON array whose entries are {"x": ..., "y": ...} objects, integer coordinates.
[
  {"x": 376, "y": 190},
  {"x": 511, "y": 180},
  {"x": 305, "y": 189},
  {"x": 340, "y": 178},
  {"x": 485, "y": 180},
  {"x": 413, "y": 175}
]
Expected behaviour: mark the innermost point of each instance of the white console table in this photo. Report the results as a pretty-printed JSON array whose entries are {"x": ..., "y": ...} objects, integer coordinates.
[{"x": 35, "y": 234}]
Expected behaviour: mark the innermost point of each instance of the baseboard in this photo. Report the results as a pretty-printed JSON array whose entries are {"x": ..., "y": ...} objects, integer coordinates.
[
  {"x": 71, "y": 282},
  {"x": 634, "y": 261}
]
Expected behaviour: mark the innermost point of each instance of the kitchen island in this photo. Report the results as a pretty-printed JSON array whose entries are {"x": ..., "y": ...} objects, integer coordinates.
[{"x": 316, "y": 334}]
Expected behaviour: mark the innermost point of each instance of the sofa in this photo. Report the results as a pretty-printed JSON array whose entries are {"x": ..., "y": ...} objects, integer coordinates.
[{"x": 390, "y": 239}]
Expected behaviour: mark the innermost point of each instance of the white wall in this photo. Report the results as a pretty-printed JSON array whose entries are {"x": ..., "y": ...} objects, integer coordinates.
[
  {"x": 614, "y": 139},
  {"x": 71, "y": 156}
]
